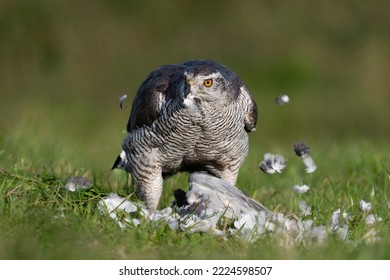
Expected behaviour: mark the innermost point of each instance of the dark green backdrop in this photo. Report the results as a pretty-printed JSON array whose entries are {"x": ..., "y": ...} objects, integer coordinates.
[{"x": 64, "y": 65}]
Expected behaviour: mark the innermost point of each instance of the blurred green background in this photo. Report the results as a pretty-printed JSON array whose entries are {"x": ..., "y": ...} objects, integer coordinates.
[{"x": 64, "y": 65}]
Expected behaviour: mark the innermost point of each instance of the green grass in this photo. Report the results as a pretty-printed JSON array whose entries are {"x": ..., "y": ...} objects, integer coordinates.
[{"x": 41, "y": 220}]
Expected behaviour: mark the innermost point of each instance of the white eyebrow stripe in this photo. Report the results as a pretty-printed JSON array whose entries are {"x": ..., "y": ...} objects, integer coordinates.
[{"x": 210, "y": 76}]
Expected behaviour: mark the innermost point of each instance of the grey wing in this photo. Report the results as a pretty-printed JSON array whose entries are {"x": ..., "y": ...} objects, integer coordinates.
[
  {"x": 245, "y": 98},
  {"x": 243, "y": 95},
  {"x": 210, "y": 186},
  {"x": 250, "y": 108},
  {"x": 151, "y": 96}
]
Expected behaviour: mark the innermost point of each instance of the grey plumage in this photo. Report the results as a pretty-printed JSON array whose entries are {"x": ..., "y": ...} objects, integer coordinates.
[
  {"x": 187, "y": 117},
  {"x": 218, "y": 194}
]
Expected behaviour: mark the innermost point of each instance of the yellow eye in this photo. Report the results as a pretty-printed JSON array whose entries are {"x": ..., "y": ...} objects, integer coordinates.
[{"x": 208, "y": 83}]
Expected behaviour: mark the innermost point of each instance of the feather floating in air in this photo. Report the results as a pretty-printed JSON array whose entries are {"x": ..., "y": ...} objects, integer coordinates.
[
  {"x": 303, "y": 151},
  {"x": 282, "y": 99},
  {"x": 121, "y": 100},
  {"x": 272, "y": 163}
]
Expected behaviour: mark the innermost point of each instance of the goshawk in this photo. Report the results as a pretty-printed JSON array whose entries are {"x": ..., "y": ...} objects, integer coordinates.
[{"x": 193, "y": 116}]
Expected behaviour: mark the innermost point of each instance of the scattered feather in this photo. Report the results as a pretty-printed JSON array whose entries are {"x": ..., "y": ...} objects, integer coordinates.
[
  {"x": 302, "y": 150},
  {"x": 372, "y": 219},
  {"x": 304, "y": 208},
  {"x": 337, "y": 225},
  {"x": 77, "y": 183},
  {"x": 216, "y": 207},
  {"x": 309, "y": 163},
  {"x": 317, "y": 235},
  {"x": 341, "y": 231},
  {"x": 300, "y": 189},
  {"x": 117, "y": 207},
  {"x": 364, "y": 206},
  {"x": 121, "y": 100},
  {"x": 282, "y": 99},
  {"x": 272, "y": 163}
]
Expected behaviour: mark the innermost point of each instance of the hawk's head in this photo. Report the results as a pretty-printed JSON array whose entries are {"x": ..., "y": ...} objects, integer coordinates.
[{"x": 207, "y": 84}]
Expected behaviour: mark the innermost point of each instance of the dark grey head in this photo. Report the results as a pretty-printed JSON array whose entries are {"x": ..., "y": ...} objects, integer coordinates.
[{"x": 210, "y": 81}]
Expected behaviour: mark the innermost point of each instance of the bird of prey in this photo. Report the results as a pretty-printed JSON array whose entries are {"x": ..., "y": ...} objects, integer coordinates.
[{"x": 191, "y": 117}]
